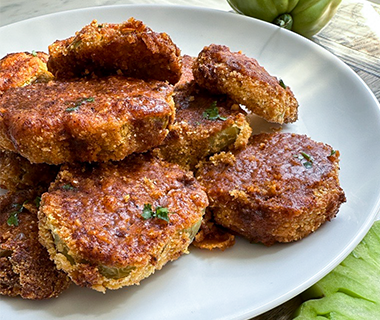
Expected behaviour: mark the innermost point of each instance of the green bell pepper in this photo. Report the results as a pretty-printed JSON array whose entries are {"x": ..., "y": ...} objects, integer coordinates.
[{"x": 306, "y": 17}]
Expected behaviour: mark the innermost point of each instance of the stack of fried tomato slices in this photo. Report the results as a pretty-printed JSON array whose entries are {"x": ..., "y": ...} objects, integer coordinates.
[{"x": 118, "y": 152}]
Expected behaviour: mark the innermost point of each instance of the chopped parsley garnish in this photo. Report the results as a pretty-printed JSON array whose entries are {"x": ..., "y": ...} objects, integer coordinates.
[
  {"x": 160, "y": 212},
  {"x": 13, "y": 216},
  {"x": 308, "y": 157},
  {"x": 213, "y": 113},
  {"x": 308, "y": 164},
  {"x": 68, "y": 186},
  {"x": 78, "y": 103},
  {"x": 34, "y": 53},
  {"x": 282, "y": 84},
  {"x": 37, "y": 202},
  {"x": 71, "y": 109},
  {"x": 304, "y": 156},
  {"x": 13, "y": 219},
  {"x": 333, "y": 153}
]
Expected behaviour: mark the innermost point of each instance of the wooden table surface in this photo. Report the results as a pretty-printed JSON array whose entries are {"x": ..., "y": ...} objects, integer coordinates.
[{"x": 353, "y": 35}]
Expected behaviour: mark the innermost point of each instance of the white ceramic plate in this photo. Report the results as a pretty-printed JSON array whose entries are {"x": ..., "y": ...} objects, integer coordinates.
[{"x": 246, "y": 280}]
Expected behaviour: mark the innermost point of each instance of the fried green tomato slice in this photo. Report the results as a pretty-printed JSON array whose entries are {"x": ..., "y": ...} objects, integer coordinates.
[
  {"x": 113, "y": 224},
  {"x": 17, "y": 173},
  {"x": 211, "y": 236},
  {"x": 280, "y": 188},
  {"x": 130, "y": 48},
  {"x": 246, "y": 82},
  {"x": 204, "y": 124},
  {"x": 85, "y": 120},
  {"x": 25, "y": 267},
  {"x": 22, "y": 68}
]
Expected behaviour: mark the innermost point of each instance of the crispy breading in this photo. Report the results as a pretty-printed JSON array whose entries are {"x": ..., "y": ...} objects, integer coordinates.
[
  {"x": 246, "y": 82},
  {"x": 23, "y": 68},
  {"x": 17, "y": 173},
  {"x": 205, "y": 123},
  {"x": 130, "y": 48},
  {"x": 18, "y": 70},
  {"x": 85, "y": 120},
  {"x": 92, "y": 223},
  {"x": 211, "y": 236},
  {"x": 280, "y": 188},
  {"x": 186, "y": 73},
  {"x": 25, "y": 267}
]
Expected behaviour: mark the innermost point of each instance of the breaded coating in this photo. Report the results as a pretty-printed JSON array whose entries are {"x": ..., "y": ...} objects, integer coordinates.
[
  {"x": 205, "y": 124},
  {"x": 113, "y": 224},
  {"x": 18, "y": 70},
  {"x": 130, "y": 48},
  {"x": 17, "y": 173},
  {"x": 187, "y": 76},
  {"x": 246, "y": 82},
  {"x": 25, "y": 267},
  {"x": 23, "y": 68},
  {"x": 85, "y": 120},
  {"x": 211, "y": 236},
  {"x": 280, "y": 188}
]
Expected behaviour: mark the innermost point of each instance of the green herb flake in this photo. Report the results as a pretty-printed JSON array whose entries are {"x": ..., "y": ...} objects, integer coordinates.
[
  {"x": 71, "y": 109},
  {"x": 213, "y": 113},
  {"x": 37, "y": 202},
  {"x": 308, "y": 164},
  {"x": 333, "y": 153},
  {"x": 79, "y": 103},
  {"x": 68, "y": 186},
  {"x": 308, "y": 157},
  {"x": 13, "y": 219},
  {"x": 13, "y": 216},
  {"x": 282, "y": 84},
  {"x": 160, "y": 212},
  {"x": 34, "y": 53},
  {"x": 147, "y": 211}
]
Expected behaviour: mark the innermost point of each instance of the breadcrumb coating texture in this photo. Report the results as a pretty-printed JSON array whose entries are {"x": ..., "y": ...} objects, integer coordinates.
[
  {"x": 85, "y": 120},
  {"x": 211, "y": 236},
  {"x": 204, "y": 124},
  {"x": 17, "y": 173},
  {"x": 22, "y": 68},
  {"x": 25, "y": 267},
  {"x": 280, "y": 188},
  {"x": 96, "y": 213},
  {"x": 242, "y": 78},
  {"x": 187, "y": 76},
  {"x": 130, "y": 48}
]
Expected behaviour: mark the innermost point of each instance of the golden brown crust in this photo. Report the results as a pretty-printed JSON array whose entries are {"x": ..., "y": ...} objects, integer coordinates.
[
  {"x": 96, "y": 211},
  {"x": 25, "y": 267},
  {"x": 85, "y": 120},
  {"x": 186, "y": 73},
  {"x": 192, "y": 137},
  {"x": 129, "y": 47},
  {"x": 194, "y": 134},
  {"x": 211, "y": 236},
  {"x": 245, "y": 81},
  {"x": 281, "y": 195},
  {"x": 17, "y": 173},
  {"x": 23, "y": 68}
]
